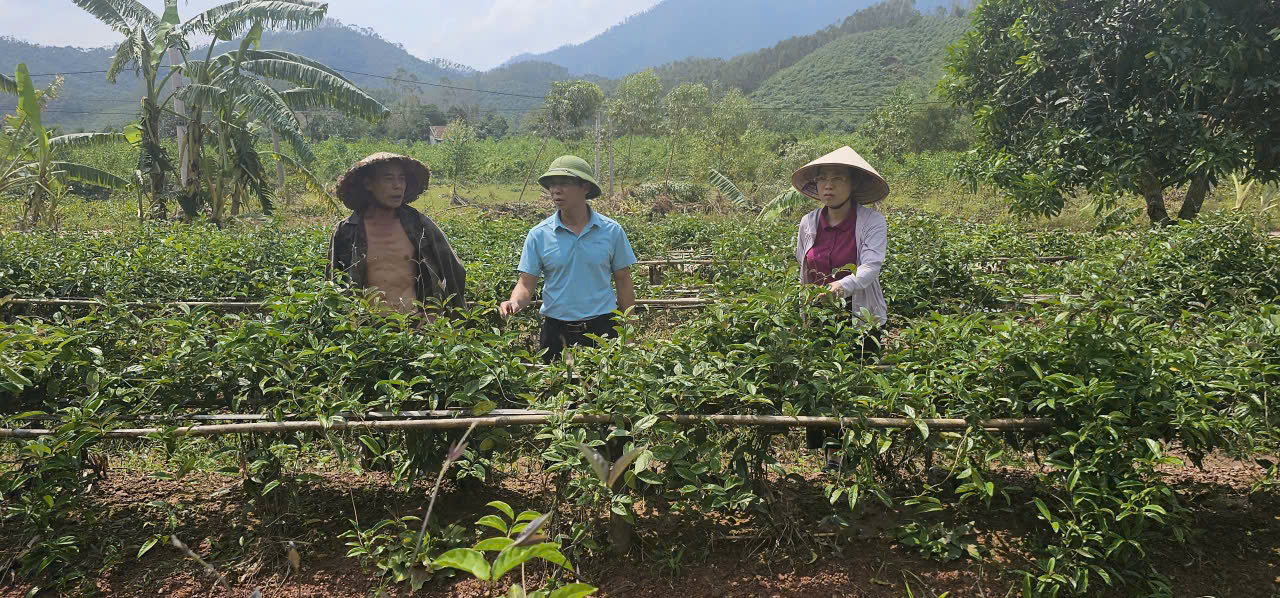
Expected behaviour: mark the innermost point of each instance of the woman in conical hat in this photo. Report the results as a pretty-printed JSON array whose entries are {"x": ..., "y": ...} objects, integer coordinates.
[{"x": 841, "y": 244}]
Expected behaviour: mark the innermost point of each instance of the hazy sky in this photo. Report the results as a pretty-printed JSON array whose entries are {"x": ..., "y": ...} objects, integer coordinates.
[{"x": 477, "y": 33}]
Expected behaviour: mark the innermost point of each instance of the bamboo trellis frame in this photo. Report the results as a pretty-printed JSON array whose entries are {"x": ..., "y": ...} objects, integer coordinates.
[{"x": 537, "y": 419}]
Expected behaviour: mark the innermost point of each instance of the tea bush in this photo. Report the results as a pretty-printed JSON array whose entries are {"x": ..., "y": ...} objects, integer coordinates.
[{"x": 1159, "y": 340}]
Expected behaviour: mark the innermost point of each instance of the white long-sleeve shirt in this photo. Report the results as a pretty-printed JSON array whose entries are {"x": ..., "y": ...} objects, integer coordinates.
[{"x": 863, "y": 286}]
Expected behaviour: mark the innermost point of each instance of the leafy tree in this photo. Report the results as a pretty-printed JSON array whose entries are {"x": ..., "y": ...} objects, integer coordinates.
[
  {"x": 730, "y": 119},
  {"x": 494, "y": 126},
  {"x": 29, "y": 158},
  {"x": 1115, "y": 96},
  {"x": 688, "y": 106},
  {"x": 568, "y": 105},
  {"x": 636, "y": 108},
  {"x": 459, "y": 151}
]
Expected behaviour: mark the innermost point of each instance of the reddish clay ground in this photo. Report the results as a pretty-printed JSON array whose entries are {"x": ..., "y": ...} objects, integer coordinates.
[{"x": 1237, "y": 553}]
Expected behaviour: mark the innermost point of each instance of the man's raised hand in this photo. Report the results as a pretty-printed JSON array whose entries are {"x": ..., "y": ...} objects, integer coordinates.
[{"x": 509, "y": 307}]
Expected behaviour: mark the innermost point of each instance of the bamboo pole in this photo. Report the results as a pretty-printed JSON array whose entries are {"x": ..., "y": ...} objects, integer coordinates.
[
  {"x": 213, "y": 305},
  {"x": 1047, "y": 259},
  {"x": 499, "y": 421},
  {"x": 259, "y": 305},
  {"x": 682, "y": 262},
  {"x": 252, "y": 417}
]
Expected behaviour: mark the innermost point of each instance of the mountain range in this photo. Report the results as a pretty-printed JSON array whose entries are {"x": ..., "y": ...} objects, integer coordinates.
[
  {"x": 747, "y": 61},
  {"x": 681, "y": 29}
]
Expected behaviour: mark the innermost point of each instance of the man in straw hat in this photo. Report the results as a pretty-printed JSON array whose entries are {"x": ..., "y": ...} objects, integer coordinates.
[
  {"x": 578, "y": 251},
  {"x": 385, "y": 244},
  {"x": 844, "y": 232}
]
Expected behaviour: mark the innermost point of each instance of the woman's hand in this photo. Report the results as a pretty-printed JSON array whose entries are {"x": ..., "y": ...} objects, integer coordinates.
[{"x": 834, "y": 290}]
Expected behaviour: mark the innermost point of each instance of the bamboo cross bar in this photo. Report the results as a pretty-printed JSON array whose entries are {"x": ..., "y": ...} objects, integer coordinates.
[
  {"x": 213, "y": 305},
  {"x": 992, "y": 425},
  {"x": 679, "y": 303},
  {"x": 252, "y": 417},
  {"x": 681, "y": 262},
  {"x": 1047, "y": 259}
]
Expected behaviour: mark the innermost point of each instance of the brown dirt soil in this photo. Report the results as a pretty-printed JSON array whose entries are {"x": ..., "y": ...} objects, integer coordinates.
[{"x": 1236, "y": 552}]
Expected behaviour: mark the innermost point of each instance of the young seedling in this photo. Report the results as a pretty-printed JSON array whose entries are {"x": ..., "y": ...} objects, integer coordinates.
[
  {"x": 619, "y": 529},
  {"x": 609, "y": 472}
]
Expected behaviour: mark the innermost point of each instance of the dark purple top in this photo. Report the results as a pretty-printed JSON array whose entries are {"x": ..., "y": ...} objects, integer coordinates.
[{"x": 835, "y": 246}]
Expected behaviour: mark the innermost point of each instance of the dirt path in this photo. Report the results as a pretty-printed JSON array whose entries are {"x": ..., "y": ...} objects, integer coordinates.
[{"x": 1236, "y": 554}]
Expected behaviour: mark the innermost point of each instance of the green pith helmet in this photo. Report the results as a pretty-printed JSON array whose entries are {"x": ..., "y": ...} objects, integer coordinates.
[{"x": 575, "y": 167}]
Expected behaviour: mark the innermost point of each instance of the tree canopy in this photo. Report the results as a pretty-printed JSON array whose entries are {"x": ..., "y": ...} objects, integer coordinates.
[{"x": 1120, "y": 96}]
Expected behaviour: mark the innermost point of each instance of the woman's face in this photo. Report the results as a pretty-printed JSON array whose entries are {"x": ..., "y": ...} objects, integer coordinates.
[{"x": 835, "y": 183}]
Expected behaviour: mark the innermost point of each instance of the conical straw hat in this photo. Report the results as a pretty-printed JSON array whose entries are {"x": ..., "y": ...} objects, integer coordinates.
[
  {"x": 867, "y": 189},
  {"x": 350, "y": 188}
]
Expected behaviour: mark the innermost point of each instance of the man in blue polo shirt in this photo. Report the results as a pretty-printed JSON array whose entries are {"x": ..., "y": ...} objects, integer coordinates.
[{"x": 578, "y": 251}]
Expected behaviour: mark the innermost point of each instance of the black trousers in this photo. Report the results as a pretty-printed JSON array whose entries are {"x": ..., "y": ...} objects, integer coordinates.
[
  {"x": 814, "y": 437},
  {"x": 558, "y": 334}
]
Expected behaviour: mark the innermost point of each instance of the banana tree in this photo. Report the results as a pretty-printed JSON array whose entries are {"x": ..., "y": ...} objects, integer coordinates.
[
  {"x": 234, "y": 90},
  {"x": 228, "y": 92},
  {"x": 147, "y": 37},
  {"x": 30, "y": 161}
]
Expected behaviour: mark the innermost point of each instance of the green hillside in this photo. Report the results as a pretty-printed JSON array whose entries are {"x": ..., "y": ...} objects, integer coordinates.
[
  {"x": 353, "y": 49},
  {"x": 86, "y": 101},
  {"x": 854, "y": 73},
  {"x": 676, "y": 29},
  {"x": 747, "y": 72}
]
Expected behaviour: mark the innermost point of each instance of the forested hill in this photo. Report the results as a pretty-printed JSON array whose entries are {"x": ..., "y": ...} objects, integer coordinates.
[
  {"x": 350, "y": 48},
  {"x": 678, "y": 29},
  {"x": 747, "y": 72},
  {"x": 857, "y": 71},
  {"x": 83, "y": 96}
]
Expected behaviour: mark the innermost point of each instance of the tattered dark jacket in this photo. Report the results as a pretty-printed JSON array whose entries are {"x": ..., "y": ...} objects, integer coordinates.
[{"x": 438, "y": 274}]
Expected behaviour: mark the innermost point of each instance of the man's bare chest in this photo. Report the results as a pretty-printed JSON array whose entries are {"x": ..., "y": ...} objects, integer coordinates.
[{"x": 390, "y": 252}]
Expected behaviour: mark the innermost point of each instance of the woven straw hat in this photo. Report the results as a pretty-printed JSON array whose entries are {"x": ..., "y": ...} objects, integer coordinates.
[
  {"x": 350, "y": 188},
  {"x": 868, "y": 188}
]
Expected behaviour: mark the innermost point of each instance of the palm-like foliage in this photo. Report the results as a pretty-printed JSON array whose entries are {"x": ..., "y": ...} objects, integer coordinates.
[
  {"x": 147, "y": 39},
  {"x": 29, "y": 160},
  {"x": 726, "y": 188},
  {"x": 228, "y": 96}
]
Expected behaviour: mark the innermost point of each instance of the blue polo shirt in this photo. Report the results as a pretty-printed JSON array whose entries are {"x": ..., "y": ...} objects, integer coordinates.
[{"x": 577, "y": 269}]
